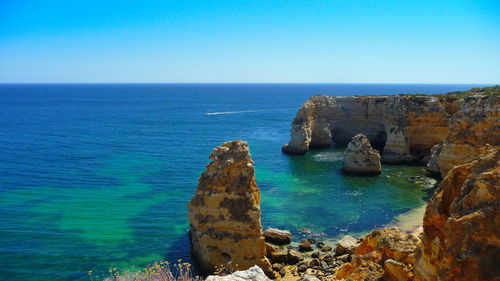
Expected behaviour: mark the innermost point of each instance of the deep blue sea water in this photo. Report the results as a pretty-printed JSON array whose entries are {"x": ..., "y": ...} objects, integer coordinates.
[{"x": 98, "y": 176}]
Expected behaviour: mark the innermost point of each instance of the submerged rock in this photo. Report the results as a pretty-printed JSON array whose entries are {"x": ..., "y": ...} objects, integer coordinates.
[
  {"x": 460, "y": 239},
  {"x": 224, "y": 214},
  {"x": 360, "y": 158},
  {"x": 305, "y": 246},
  {"x": 254, "y": 273}
]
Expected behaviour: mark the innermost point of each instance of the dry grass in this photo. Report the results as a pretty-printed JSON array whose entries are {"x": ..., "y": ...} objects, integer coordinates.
[{"x": 160, "y": 271}]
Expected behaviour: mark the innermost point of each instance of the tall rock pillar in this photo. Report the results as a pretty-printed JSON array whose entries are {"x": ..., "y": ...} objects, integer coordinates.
[{"x": 224, "y": 213}]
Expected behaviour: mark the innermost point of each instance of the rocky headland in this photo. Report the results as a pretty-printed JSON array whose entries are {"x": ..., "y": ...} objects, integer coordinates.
[
  {"x": 459, "y": 239},
  {"x": 473, "y": 126},
  {"x": 405, "y": 128}
]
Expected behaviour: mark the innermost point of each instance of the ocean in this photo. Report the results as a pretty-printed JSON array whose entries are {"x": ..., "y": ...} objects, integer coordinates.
[{"x": 95, "y": 176}]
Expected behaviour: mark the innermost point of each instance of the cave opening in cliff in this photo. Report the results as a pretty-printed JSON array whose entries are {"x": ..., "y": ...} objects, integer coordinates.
[{"x": 379, "y": 141}]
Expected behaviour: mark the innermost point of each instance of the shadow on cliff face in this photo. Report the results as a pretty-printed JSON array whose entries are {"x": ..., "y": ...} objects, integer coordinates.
[{"x": 377, "y": 142}]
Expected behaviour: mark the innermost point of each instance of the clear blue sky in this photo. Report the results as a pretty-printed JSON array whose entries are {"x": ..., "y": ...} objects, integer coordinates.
[{"x": 336, "y": 41}]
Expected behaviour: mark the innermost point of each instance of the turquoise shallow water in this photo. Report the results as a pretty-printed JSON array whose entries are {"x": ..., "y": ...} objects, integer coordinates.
[{"x": 98, "y": 176}]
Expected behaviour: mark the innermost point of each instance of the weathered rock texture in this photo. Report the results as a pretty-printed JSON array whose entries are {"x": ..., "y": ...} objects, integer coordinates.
[
  {"x": 384, "y": 253},
  {"x": 322, "y": 119},
  {"x": 277, "y": 236},
  {"x": 476, "y": 124},
  {"x": 345, "y": 245},
  {"x": 413, "y": 124},
  {"x": 461, "y": 239},
  {"x": 406, "y": 127},
  {"x": 360, "y": 158},
  {"x": 254, "y": 273},
  {"x": 224, "y": 213}
]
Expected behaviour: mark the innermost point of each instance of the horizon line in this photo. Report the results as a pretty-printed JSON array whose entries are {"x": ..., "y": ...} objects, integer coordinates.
[{"x": 242, "y": 83}]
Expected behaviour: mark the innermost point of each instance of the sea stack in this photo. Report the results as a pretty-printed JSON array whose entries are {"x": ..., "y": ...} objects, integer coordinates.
[
  {"x": 360, "y": 158},
  {"x": 224, "y": 214}
]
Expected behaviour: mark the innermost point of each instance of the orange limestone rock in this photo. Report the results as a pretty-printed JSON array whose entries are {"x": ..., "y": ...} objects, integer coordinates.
[
  {"x": 461, "y": 239},
  {"x": 384, "y": 254},
  {"x": 413, "y": 124},
  {"x": 475, "y": 125},
  {"x": 224, "y": 214}
]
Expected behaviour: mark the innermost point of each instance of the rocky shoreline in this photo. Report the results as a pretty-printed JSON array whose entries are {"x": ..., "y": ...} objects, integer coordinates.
[{"x": 456, "y": 135}]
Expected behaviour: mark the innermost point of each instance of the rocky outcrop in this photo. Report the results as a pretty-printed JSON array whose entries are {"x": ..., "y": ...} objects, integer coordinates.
[
  {"x": 413, "y": 124},
  {"x": 406, "y": 127},
  {"x": 224, "y": 214},
  {"x": 324, "y": 119},
  {"x": 277, "y": 236},
  {"x": 461, "y": 238},
  {"x": 360, "y": 158},
  {"x": 476, "y": 124},
  {"x": 254, "y": 273},
  {"x": 384, "y": 253},
  {"x": 345, "y": 245}
]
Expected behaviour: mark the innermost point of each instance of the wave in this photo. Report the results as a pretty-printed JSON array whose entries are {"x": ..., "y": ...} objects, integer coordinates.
[
  {"x": 234, "y": 112},
  {"x": 330, "y": 156}
]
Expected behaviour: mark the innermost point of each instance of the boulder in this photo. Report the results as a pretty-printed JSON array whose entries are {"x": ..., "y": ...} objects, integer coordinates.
[
  {"x": 254, "y": 273},
  {"x": 278, "y": 256},
  {"x": 278, "y": 236},
  {"x": 345, "y": 245},
  {"x": 293, "y": 257},
  {"x": 224, "y": 213},
  {"x": 314, "y": 262},
  {"x": 278, "y": 266},
  {"x": 326, "y": 249},
  {"x": 305, "y": 246},
  {"x": 270, "y": 248},
  {"x": 360, "y": 158}
]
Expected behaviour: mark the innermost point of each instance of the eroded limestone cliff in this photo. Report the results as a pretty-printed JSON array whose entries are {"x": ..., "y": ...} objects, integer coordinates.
[
  {"x": 224, "y": 214},
  {"x": 413, "y": 124},
  {"x": 406, "y": 127},
  {"x": 461, "y": 239},
  {"x": 474, "y": 125},
  {"x": 323, "y": 119}
]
